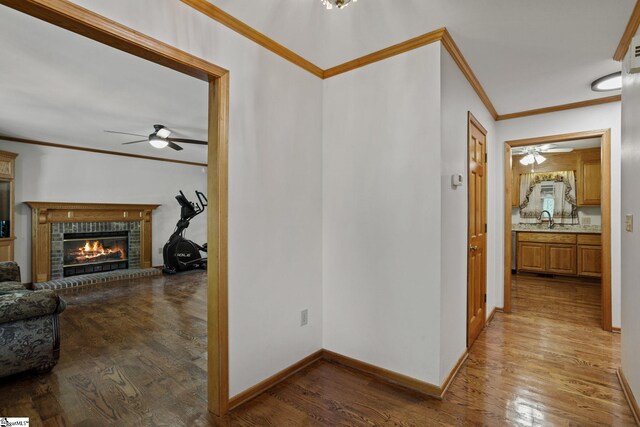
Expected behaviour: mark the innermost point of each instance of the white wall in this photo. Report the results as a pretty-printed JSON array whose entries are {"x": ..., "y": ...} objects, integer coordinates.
[
  {"x": 578, "y": 120},
  {"x": 275, "y": 186},
  {"x": 45, "y": 174},
  {"x": 382, "y": 213},
  {"x": 631, "y": 241},
  {"x": 458, "y": 98}
]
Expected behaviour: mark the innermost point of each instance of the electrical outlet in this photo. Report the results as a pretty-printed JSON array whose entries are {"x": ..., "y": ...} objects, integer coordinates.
[
  {"x": 304, "y": 317},
  {"x": 159, "y": 250},
  {"x": 629, "y": 223},
  {"x": 586, "y": 220}
]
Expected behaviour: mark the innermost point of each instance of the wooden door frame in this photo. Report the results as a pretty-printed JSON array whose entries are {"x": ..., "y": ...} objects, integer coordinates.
[
  {"x": 74, "y": 18},
  {"x": 605, "y": 206},
  {"x": 471, "y": 120}
]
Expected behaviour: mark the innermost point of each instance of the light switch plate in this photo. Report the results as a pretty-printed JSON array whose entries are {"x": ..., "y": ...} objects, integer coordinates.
[{"x": 629, "y": 223}]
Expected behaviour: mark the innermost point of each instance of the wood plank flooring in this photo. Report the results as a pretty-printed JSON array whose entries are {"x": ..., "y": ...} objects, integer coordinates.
[{"x": 134, "y": 353}]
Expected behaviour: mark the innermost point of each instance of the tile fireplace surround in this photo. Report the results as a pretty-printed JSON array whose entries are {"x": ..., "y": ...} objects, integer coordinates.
[{"x": 49, "y": 220}]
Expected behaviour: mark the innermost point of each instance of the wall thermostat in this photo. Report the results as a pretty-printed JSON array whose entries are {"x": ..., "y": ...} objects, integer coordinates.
[{"x": 456, "y": 179}]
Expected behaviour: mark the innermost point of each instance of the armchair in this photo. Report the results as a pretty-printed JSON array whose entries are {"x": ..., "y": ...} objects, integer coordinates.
[{"x": 29, "y": 325}]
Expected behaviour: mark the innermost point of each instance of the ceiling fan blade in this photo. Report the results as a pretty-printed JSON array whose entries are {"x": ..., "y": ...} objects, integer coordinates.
[
  {"x": 174, "y": 146},
  {"x": 188, "y": 141},
  {"x": 124, "y": 133},
  {"x": 135, "y": 142}
]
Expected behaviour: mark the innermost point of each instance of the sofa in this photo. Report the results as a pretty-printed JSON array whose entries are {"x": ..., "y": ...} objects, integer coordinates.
[{"x": 29, "y": 325}]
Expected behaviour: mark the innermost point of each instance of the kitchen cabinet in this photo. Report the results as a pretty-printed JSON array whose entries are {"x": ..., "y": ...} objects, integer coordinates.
[
  {"x": 588, "y": 179},
  {"x": 568, "y": 254}
]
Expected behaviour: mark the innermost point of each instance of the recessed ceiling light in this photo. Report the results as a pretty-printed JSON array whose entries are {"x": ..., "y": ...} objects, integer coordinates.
[{"x": 609, "y": 82}]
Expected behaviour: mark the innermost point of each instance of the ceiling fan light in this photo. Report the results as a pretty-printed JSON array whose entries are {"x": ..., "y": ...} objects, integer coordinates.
[
  {"x": 163, "y": 133},
  {"x": 158, "y": 142},
  {"x": 527, "y": 160},
  {"x": 608, "y": 83},
  {"x": 539, "y": 158}
]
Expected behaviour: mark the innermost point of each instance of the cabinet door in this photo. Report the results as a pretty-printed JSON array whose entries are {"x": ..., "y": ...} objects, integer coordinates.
[
  {"x": 561, "y": 259},
  {"x": 531, "y": 256},
  {"x": 6, "y": 250},
  {"x": 589, "y": 185},
  {"x": 589, "y": 261}
]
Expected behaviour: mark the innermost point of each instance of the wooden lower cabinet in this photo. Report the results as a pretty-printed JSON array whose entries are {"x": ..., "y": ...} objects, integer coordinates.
[
  {"x": 531, "y": 256},
  {"x": 559, "y": 253},
  {"x": 561, "y": 259},
  {"x": 589, "y": 261}
]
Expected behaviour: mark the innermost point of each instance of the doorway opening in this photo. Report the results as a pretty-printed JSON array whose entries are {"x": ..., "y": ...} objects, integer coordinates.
[{"x": 558, "y": 221}]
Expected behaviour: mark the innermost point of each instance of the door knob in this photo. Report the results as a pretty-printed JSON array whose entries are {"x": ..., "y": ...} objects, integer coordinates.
[{"x": 473, "y": 248}]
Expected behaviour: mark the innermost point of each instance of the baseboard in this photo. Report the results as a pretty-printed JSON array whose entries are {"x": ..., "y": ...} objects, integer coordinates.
[
  {"x": 263, "y": 386},
  {"x": 414, "y": 384},
  {"x": 447, "y": 382},
  {"x": 490, "y": 318},
  {"x": 616, "y": 329},
  {"x": 628, "y": 394},
  {"x": 382, "y": 373},
  {"x": 500, "y": 309}
]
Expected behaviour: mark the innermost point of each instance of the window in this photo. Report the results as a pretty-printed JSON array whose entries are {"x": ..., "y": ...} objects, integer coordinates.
[{"x": 547, "y": 195}]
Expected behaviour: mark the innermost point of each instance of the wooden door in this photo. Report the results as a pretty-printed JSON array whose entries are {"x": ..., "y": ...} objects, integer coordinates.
[
  {"x": 531, "y": 256},
  {"x": 477, "y": 258},
  {"x": 561, "y": 259}
]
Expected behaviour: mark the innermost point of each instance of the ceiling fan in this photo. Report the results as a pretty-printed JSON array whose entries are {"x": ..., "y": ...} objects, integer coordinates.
[
  {"x": 160, "y": 138},
  {"x": 532, "y": 155}
]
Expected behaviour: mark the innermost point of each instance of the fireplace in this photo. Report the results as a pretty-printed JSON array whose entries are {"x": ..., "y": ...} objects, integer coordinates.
[{"x": 95, "y": 252}]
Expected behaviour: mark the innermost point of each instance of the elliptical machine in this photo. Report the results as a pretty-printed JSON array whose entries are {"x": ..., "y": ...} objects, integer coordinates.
[{"x": 179, "y": 253}]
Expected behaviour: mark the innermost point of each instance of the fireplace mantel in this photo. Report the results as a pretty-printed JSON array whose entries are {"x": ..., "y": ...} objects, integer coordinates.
[{"x": 43, "y": 214}]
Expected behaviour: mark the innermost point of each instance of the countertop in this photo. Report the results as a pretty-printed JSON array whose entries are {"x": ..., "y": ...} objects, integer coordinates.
[{"x": 558, "y": 228}]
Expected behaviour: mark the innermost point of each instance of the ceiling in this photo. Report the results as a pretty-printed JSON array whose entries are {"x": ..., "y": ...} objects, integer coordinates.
[
  {"x": 59, "y": 87},
  {"x": 526, "y": 54}
]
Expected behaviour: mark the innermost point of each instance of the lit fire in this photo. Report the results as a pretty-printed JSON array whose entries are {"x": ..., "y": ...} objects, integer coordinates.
[{"x": 92, "y": 250}]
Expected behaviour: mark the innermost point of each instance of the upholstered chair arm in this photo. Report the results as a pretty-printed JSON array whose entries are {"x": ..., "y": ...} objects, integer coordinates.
[
  {"x": 9, "y": 272},
  {"x": 29, "y": 304}
]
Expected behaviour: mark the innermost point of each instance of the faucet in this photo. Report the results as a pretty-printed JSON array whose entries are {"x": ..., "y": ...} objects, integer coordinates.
[{"x": 550, "y": 218}]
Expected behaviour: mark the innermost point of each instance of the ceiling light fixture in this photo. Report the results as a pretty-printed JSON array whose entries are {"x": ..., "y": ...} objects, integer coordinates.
[
  {"x": 533, "y": 156},
  {"x": 329, "y": 4},
  {"x": 158, "y": 142},
  {"x": 607, "y": 83},
  {"x": 163, "y": 133}
]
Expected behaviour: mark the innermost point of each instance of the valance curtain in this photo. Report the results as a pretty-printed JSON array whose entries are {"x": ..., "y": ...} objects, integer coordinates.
[{"x": 564, "y": 185}]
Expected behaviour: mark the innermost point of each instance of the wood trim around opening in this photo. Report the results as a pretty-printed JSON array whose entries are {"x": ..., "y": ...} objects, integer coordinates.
[
  {"x": 65, "y": 14},
  {"x": 555, "y": 108},
  {"x": 95, "y": 150},
  {"x": 628, "y": 394},
  {"x": 605, "y": 136},
  {"x": 629, "y": 32},
  {"x": 217, "y": 236}
]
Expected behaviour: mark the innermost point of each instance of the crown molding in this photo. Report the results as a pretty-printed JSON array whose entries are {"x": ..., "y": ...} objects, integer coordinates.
[
  {"x": 385, "y": 53},
  {"x": 629, "y": 32},
  {"x": 98, "y": 151},
  {"x": 452, "y": 48},
  {"x": 552, "y": 109},
  {"x": 243, "y": 29}
]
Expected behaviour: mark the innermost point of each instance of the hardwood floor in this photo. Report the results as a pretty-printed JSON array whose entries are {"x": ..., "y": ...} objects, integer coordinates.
[{"x": 134, "y": 353}]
